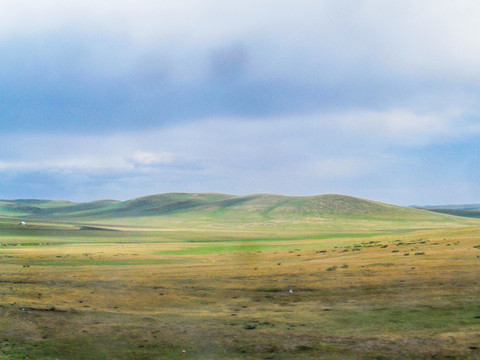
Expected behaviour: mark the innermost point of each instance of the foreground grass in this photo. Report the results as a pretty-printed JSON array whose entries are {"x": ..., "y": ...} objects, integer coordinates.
[{"x": 207, "y": 294}]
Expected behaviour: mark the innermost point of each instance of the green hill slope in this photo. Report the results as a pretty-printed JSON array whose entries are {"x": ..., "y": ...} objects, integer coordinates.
[
  {"x": 220, "y": 207},
  {"x": 50, "y": 208}
]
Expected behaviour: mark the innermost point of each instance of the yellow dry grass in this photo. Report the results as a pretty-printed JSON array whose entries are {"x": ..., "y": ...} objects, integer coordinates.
[{"x": 410, "y": 295}]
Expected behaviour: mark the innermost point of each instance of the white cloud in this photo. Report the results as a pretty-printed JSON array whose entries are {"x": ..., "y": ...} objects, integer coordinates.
[
  {"x": 149, "y": 158},
  {"x": 319, "y": 153},
  {"x": 327, "y": 139},
  {"x": 422, "y": 54},
  {"x": 404, "y": 128},
  {"x": 347, "y": 167},
  {"x": 93, "y": 164},
  {"x": 324, "y": 146},
  {"x": 322, "y": 38},
  {"x": 81, "y": 154}
]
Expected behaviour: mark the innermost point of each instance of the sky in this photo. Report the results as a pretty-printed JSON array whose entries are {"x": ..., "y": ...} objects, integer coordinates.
[{"x": 378, "y": 99}]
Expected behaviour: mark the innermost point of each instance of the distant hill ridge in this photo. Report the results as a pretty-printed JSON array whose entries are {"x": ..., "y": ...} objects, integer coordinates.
[
  {"x": 464, "y": 210},
  {"x": 217, "y": 206},
  {"x": 470, "y": 207}
]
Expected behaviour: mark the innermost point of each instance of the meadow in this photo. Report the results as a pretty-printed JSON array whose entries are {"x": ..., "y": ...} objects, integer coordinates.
[{"x": 340, "y": 289}]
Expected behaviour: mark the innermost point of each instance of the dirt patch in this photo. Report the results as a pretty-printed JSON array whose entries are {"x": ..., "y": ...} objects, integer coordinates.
[
  {"x": 94, "y": 228},
  {"x": 50, "y": 309}
]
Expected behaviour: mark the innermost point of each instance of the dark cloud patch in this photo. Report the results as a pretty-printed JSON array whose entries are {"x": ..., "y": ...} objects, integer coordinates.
[
  {"x": 85, "y": 83},
  {"x": 229, "y": 63}
]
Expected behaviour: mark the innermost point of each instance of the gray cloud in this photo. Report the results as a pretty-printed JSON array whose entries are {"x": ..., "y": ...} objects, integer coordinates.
[
  {"x": 315, "y": 154},
  {"x": 89, "y": 68},
  {"x": 123, "y": 98}
]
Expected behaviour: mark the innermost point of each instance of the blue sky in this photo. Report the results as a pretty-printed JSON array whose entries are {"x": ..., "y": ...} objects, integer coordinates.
[{"x": 118, "y": 99}]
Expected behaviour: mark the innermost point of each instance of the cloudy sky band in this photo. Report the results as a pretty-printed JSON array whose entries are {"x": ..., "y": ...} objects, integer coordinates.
[{"x": 377, "y": 99}]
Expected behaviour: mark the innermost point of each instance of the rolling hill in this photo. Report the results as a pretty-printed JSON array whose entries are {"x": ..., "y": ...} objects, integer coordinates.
[
  {"x": 469, "y": 207},
  {"x": 217, "y": 207},
  {"x": 463, "y": 210}
]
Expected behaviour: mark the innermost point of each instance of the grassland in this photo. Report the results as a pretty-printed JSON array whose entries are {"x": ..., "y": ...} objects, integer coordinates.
[
  {"x": 216, "y": 208},
  {"x": 183, "y": 286}
]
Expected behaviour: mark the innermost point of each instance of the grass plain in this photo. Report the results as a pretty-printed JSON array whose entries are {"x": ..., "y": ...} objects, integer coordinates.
[{"x": 188, "y": 287}]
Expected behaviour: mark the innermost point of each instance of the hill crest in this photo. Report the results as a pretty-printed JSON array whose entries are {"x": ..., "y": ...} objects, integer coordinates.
[{"x": 217, "y": 207}]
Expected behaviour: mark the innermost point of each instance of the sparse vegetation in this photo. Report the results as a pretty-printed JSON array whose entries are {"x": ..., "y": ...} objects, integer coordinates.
[{"x": 200, "y": 289}]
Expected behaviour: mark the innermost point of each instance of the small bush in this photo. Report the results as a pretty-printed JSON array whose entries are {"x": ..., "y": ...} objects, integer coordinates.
[
  {"x": 332, "y": 268},
  {"x": 304, "y": 348},
  {"x": 344, "y": 266}
]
